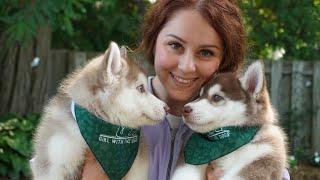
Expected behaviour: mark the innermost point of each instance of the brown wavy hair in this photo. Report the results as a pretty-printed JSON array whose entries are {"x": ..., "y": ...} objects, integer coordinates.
[{"x": 223, "y": 15}]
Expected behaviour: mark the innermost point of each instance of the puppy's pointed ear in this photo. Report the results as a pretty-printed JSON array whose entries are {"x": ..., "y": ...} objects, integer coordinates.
[
  {"x": 113, "y": 58},
  {"x": 253, "y": 79},
  {"x": 123, "y": 52}
]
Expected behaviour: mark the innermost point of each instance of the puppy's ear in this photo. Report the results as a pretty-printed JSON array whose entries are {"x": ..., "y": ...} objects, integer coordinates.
[
  {"x": 123, "y": 52},
  {"x": 113, "y": 58},
  {"x": 111, "y": 65},
  {"x": 253, "y": 79}
]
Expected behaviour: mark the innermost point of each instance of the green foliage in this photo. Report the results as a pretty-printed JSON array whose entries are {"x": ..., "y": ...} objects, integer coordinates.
[
  {"x": 21, "y": 19},
  {"x": 104, "y": 21},
  {"x": 15, "y": 145},
  {"x": 315, "y": 159},
  {"x": 292, "y": 25},
  {"x": 76, "y": 24},
  {"x": 292, "y": 161}
]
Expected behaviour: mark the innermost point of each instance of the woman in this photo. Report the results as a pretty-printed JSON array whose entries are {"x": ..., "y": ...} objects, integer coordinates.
[{"x": 188, "y": 41}]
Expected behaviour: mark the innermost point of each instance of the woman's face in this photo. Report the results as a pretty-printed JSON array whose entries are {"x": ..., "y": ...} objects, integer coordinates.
[{"x": 187, "y": 53}]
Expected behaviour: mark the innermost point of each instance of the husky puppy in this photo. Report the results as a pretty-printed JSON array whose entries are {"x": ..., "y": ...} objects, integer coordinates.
[
  {"x": 239, "y": 102},
  {"x": 112, "y": 88}
]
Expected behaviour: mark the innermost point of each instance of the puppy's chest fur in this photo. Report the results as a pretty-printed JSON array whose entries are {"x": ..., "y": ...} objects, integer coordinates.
[
  {"x": 264, "y": 150},
  {"x": 61, "y": 129},
  {"x": 237, "y": 161}
]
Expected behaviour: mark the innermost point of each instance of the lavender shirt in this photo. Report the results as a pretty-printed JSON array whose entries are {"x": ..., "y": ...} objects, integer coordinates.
[{"x": 158, "y": 139}]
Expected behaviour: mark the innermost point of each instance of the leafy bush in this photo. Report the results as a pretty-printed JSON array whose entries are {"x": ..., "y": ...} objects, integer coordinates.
[
  {"x": 288, "y": 27},
  {"x": 103, "y": 21},
  {"x": 20, "y": 20},
  {"x": 76, "y": 24},
  {"x": 276, "y": 29},
  {"x": 16, "y": 145}
]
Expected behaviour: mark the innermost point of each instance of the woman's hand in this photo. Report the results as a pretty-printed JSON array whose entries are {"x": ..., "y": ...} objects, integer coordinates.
[
  {"x": 213, "y": 172},
  {"x": 92, "y": 169}
]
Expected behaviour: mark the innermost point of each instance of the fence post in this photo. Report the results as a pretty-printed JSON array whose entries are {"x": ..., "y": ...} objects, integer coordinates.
[
  {"x": 39, "y": 94},
  {"x": 276, "y": 75},
  {"x": 58, "y": 63},
  {"x": 91, "y": 55},
  {"x": 316, "y": 107},
  {"x": 76, "y": 60},
  {"x": 301, "y": 117}
]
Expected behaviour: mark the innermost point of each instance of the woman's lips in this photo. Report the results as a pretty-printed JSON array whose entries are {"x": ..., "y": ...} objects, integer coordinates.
[{"x": 180, "y": 81}]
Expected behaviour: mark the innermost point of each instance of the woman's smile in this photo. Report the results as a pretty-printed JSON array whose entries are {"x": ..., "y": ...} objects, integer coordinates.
[{"x": 181, "y": 81}]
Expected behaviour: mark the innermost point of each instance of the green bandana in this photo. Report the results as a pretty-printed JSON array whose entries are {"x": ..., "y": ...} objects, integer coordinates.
[
  {"x": 115, "y": 147},
  {"x": 204, "y": 148}
]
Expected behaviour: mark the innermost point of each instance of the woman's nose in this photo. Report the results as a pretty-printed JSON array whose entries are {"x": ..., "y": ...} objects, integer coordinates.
[{"x": 186, "y": 63}]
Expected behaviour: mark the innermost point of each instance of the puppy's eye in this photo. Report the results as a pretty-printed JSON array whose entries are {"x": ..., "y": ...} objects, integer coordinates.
[
  {"x": 216, "y": 98},
  {"x": 141, "y": 88}
]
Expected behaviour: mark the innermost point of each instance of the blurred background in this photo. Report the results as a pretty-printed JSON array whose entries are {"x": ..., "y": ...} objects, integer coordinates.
[{"x": 41, "y": 41}]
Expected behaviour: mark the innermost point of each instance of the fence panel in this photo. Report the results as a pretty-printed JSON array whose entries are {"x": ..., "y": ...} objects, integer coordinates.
[
  {"x": 316, "y": 108},
  {"x": 280, "y": 90},
  {"x": 284, "y": 96},
  {"x": 58, "y": 63},
  {"x": 276, "y": 76},
  {"x": 76, "y": 60},
  {"x": 301, "y": 99}
]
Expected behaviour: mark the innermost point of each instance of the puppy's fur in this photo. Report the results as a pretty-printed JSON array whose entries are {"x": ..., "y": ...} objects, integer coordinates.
[
  {"x": 229, "y": 101},
  {"x": 109, "y": 86}
]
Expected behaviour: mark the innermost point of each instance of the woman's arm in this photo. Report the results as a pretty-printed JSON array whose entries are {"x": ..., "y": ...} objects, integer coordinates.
[
  {"x": 92, "y": 169},
  {"x": 213, "y": 172}
]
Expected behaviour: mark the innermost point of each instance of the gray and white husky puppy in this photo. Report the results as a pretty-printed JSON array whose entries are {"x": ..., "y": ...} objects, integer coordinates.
[
  {"x": 239, "y": 102},
  {"x": 111, "y": 87}
]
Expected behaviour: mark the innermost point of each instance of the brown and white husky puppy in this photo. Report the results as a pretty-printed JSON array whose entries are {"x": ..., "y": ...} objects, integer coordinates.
[
  {"x": 111, "y": 87},
  {"x": 230, "y": 101}
]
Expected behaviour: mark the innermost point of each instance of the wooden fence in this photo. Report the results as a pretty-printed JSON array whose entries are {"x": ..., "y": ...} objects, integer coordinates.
[{"x": 294, "y": 88}]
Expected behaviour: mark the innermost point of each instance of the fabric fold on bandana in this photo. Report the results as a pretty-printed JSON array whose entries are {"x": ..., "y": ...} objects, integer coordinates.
[
  {"x": 114, "y": 147},
  {"x": 206, "y": 147}
]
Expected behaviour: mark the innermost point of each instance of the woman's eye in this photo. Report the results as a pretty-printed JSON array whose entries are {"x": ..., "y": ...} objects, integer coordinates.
[
  {"x": 216, "y": 98},
  {"x": 206, "y": 53},
  {"x": 141, "y": 88},
  {"x": 175, "y": 45}
]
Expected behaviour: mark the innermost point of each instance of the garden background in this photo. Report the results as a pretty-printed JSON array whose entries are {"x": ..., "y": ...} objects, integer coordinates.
[{"x": 41, "y": 41}]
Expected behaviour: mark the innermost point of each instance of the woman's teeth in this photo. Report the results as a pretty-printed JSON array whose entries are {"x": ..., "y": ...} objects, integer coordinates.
[{"x": 181, "y": 80}]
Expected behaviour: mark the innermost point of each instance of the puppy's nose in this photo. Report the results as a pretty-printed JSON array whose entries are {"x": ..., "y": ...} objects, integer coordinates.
[
  {"x": 166, "y": 108},
  {"x": 186, "y": 111}
]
